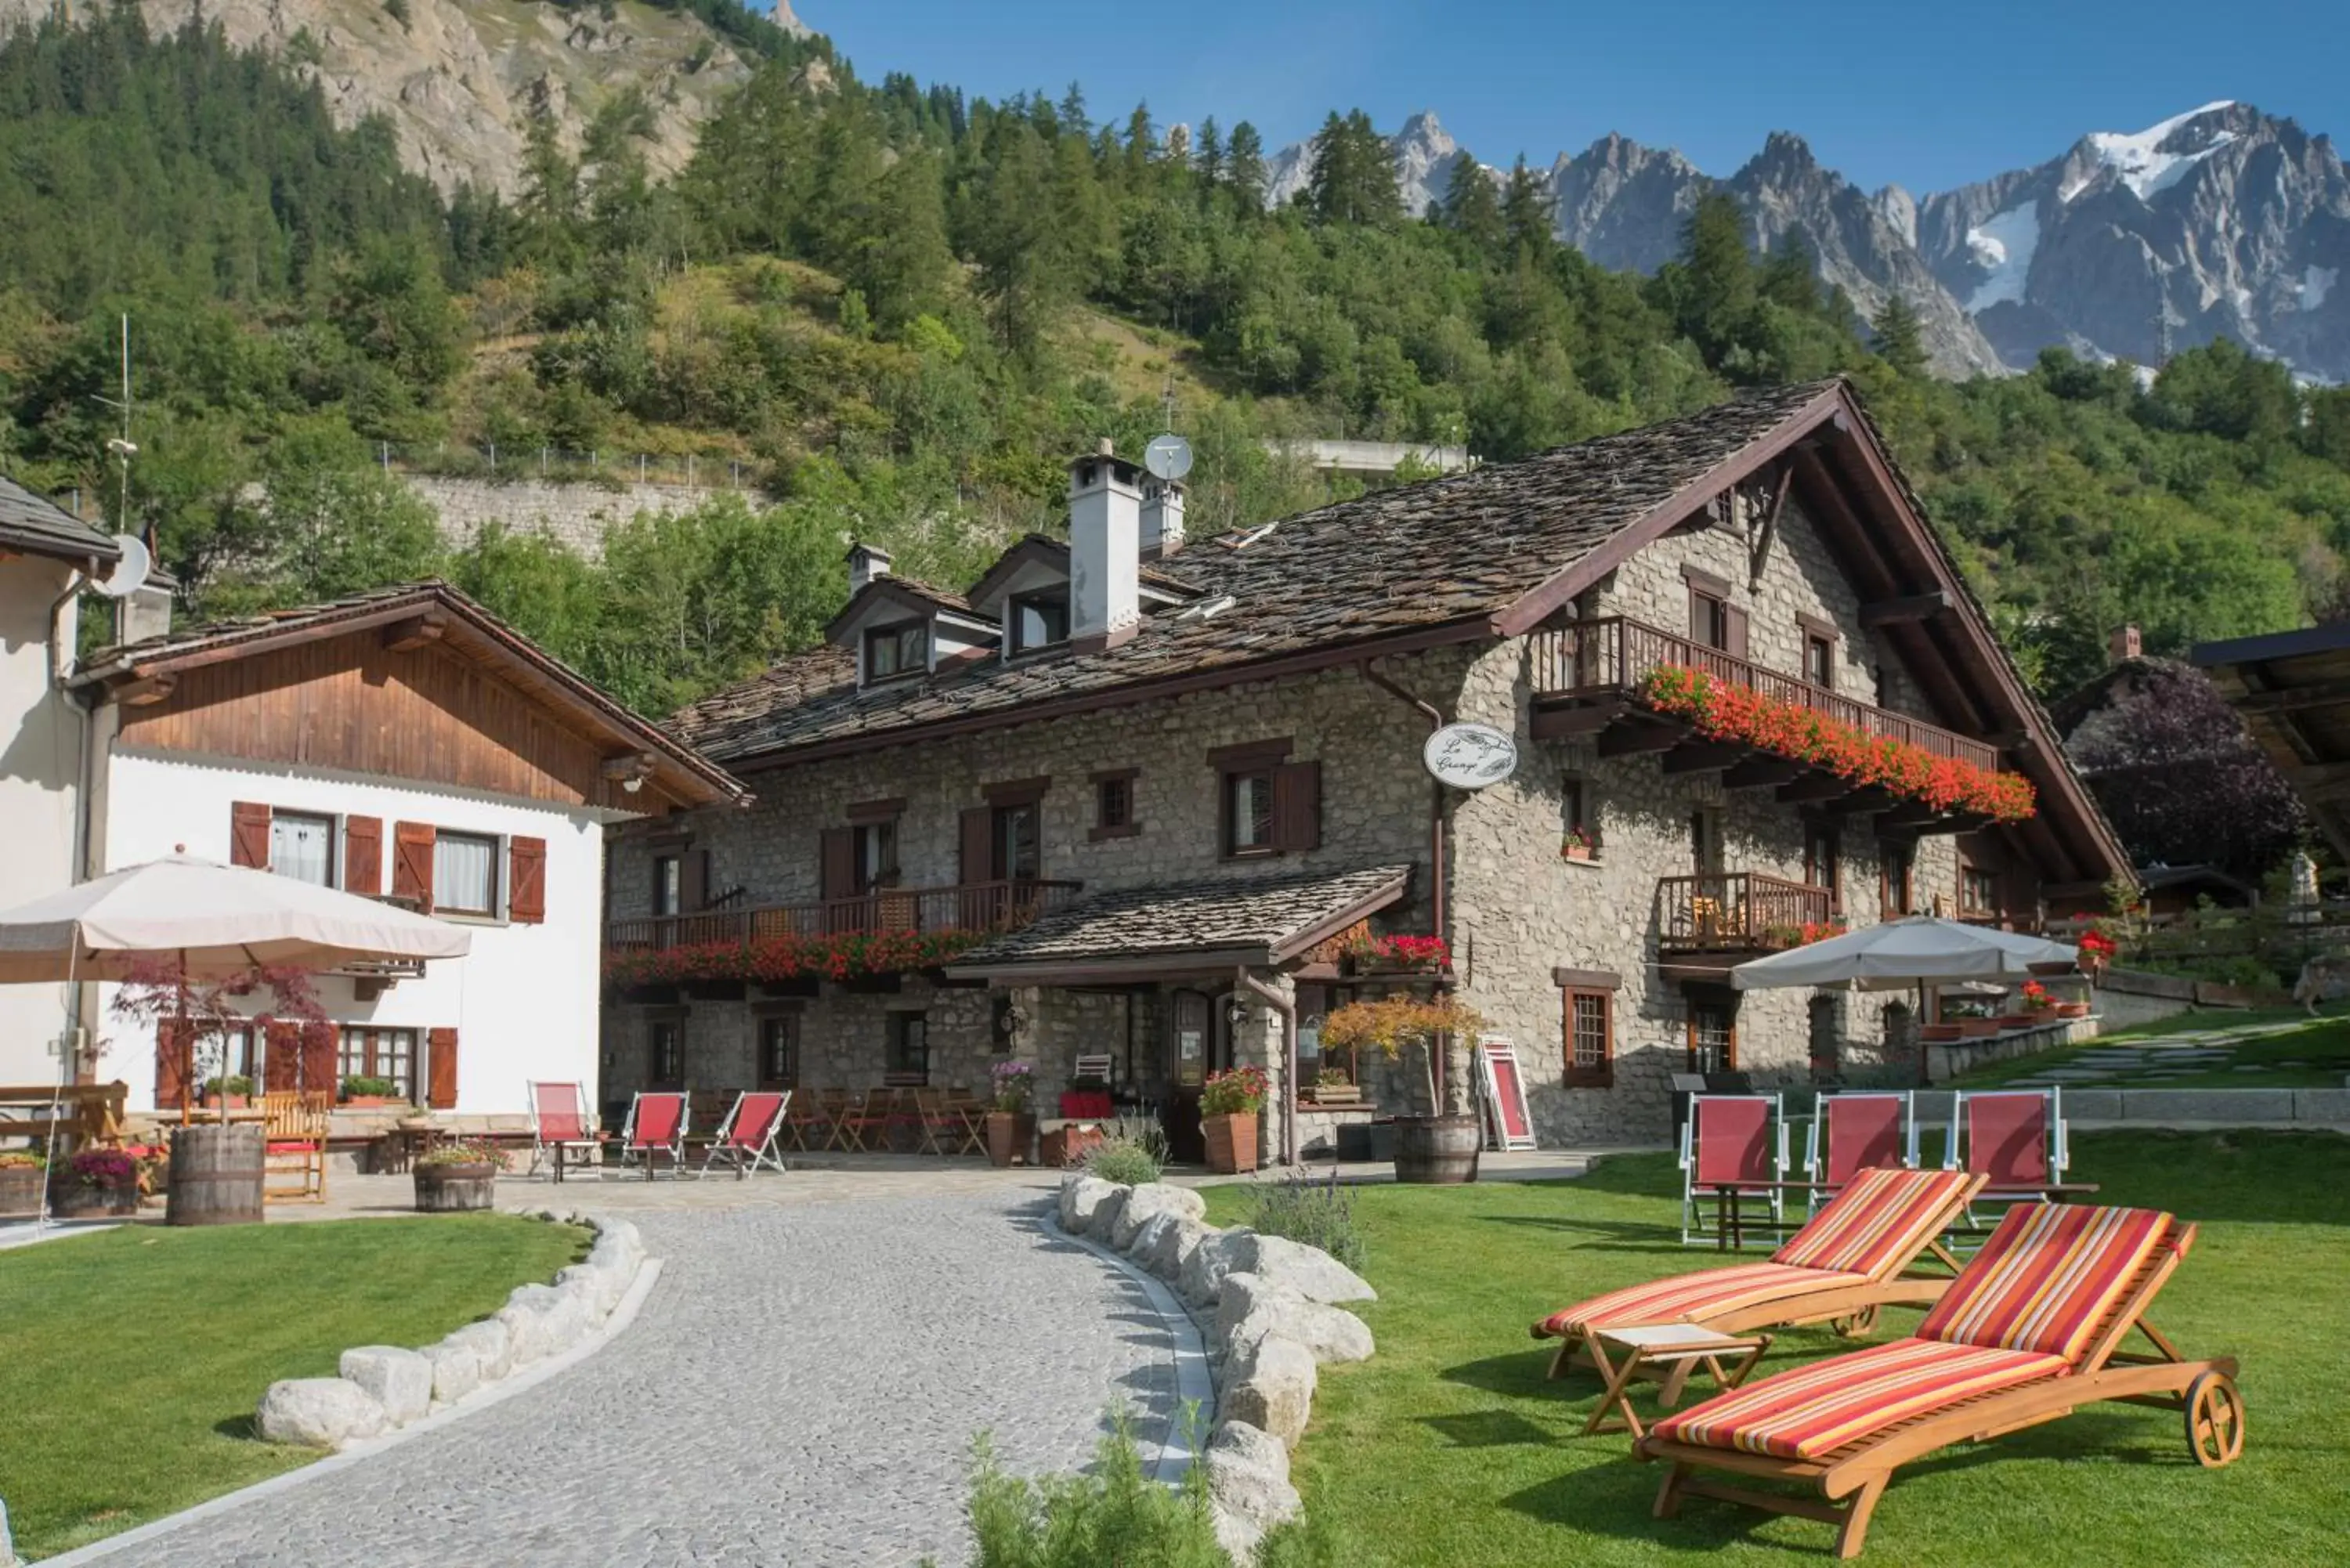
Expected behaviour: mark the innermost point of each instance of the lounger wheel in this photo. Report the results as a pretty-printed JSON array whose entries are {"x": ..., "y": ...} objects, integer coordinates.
[
  {"x": 2215, "y": 1420},
  {"x": 1859, "y": 1326}
]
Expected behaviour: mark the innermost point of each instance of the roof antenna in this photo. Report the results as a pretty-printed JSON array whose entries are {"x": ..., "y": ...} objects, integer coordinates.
[{"x": 123, "y": 447}]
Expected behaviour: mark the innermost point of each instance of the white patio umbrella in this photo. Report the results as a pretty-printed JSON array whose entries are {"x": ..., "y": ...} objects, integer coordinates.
[{"x": 1920, "y": 951}]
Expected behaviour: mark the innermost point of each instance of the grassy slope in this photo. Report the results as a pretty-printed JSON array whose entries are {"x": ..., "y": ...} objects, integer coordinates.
[
  {"x": 1451, "y": 1446},
  {"x": 2325, "y": 1042},
  {"x": 134, "y": 1358}
]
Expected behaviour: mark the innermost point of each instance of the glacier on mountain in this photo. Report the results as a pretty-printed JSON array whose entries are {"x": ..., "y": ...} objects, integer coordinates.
[{"x": 2005, "y": 244}]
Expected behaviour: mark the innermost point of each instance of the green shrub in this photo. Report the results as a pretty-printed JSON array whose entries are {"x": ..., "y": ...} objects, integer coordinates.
[
  {"x": 1130, "y": 1153},
  {"x": 1317, "y": 1213}
]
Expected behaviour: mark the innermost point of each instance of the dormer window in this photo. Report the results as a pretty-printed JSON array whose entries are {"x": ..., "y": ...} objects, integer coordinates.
[
  {"x": 901, "y": 650},
  {"x": 1039, "y": 620}
]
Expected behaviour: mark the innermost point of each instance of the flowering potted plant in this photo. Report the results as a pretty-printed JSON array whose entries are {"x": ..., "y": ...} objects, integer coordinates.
[
  {"x": 22, "y": 1173},
  {"x": 1577, "y": 844},
  {"x": 1334, "y": 1086},
  {"x": 1228, "y": 1108},
  {"x": 1009, "y": 1124},
  {"x": 2097, "y": 950},
  {"x": 96, "y": 1181},
  {"x": 461, "y": 1174},
  {"x": 1442, "y": 1146}
]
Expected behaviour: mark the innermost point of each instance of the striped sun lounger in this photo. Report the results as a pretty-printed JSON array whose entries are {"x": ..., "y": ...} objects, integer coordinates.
[
  {"x": 1850, "y": 1259},
  {"x": 2030, "y": 1330}
]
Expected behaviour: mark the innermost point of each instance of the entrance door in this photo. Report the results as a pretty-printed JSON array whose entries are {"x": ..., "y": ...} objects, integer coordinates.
[{"x": 1198, "y": 1043}]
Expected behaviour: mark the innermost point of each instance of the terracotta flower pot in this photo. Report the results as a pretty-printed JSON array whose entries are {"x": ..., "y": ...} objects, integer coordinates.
[
  {"x": 1977, "y": 1028},
  {"x": 1942, "y": 1034},
  {"x": 2071, "y": 1009},
  {"x": 1008, "y": 1133},
  {"x": 1232, "y": 1142}
]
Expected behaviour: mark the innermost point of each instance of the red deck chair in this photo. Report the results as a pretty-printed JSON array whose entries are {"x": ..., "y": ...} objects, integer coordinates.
[
  {"x": 2013, "y": 1137},
  {"x": 748, "y": 1137},
  {"x": 656, "y": 1126},
  {"x": 560, "y": 1119},
  {"x": 1736, "y": 1141},
  {"x": 1858, "y": 1132}
]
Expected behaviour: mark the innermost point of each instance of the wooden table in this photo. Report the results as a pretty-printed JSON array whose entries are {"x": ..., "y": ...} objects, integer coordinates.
[{"x": 1682, "y": 1345}]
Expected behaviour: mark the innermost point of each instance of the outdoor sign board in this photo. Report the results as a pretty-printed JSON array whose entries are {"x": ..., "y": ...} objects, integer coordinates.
[{"x": 1470, "y": 756}]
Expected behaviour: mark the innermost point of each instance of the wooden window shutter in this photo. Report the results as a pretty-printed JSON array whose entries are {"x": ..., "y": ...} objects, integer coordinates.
[
  {"x": 1734, "y": 632},
  {"x": 977, "y": 826},
  {"x": 526, "y": 880},
  {"x": 175, "y": 1042},
  {"x": 363, "y": 855},
  {"x": 248, "y": 834},
  {"x": 281, "y": 1057},
  {"x": 441, "y": 1065},
  {"x": 319, "y": 1054},
  {"x": 1297, "y": 805},
  {"x": 693, "y": 882},
  {"x": 412, "y": 863},
  {"x": 836, "y": 863}
]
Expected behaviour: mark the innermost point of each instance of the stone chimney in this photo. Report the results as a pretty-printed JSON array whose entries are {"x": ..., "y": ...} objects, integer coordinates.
[
  {"x": 1162, "y": 518},
  {"x": 1105, "y": 550},
  {"x": 2125, "y": 642},
  {"x": 866, "y": 562}
]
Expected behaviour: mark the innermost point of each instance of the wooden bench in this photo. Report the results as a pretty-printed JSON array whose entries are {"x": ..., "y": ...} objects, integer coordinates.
[{"x": 85, "y": 1114}]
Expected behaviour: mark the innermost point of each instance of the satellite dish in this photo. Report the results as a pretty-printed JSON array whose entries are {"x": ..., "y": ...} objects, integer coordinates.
[
  {"x": 130, "y": 574},
  {"x": 1168, "y": 457}
]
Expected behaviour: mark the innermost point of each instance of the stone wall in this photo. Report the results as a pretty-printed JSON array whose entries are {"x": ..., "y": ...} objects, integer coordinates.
[{"x": 578, "y": 514}]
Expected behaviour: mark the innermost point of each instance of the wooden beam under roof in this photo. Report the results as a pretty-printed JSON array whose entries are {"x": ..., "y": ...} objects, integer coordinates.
[{"x": 1907, "y": 608}]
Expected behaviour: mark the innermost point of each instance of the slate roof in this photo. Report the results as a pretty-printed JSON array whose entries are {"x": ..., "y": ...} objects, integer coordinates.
[
  {"x": 41, "y": 527},
  {"x": 1454, "y": 549},
  {"x": 1255, "y": 914}
]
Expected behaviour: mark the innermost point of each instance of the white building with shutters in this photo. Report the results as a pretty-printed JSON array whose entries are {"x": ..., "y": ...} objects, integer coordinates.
[{"x": 401, "y": 745}]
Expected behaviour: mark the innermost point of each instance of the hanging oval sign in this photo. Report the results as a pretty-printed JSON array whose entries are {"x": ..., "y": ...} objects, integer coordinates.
[{"x": 1470, "y": 756}]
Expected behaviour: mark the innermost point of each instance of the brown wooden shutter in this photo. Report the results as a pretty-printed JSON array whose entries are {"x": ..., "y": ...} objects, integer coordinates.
[
  {"x": 693, "y": 882},
  {"x": 281, "y": 1057},
  {"x": 412, "y": 863},
  {"x": 441, "y": 1065},
  {"x": 977, "y": 826},
  {"x": 526, "y": 880},
  {"x": 319, "y": 1054},
  {"x": 363, "y": 855},
  {"x": 836, "y": 863},
  {"x": 1297, "y": 805},
  {"x": 175, "y": 1042},
  {"x": 248, "y": 834},
  {"x": 1735, "y": 634}
]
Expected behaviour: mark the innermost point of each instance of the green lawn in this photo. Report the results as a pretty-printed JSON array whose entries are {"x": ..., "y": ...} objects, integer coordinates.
[
  {"x": 2320, "y": 1047},
  {"x": 130, "y": 1360},
  {"x": 1449, "y": 1445}
]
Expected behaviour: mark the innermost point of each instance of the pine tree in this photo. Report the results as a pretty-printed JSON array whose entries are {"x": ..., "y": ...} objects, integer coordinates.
[
  {"x": 1470, "y": 206},
  {"x": 1244, "y": 165},
  {"x": 1899, "y": 340},
  {"x": 1071, "y": 114},
  {"x": 1353, "y": 179},
  {"x": 1141, "y": 141},
  {"x": 1208, "y": 153},
  {"x": 1715, "y": 279},
  {"x": 1529, "y": 215}
]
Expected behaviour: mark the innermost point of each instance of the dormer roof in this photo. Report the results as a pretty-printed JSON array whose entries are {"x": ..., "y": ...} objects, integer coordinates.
[
  {"x": 911, "y": 599},
  {"x": 1028, "y": 562}
]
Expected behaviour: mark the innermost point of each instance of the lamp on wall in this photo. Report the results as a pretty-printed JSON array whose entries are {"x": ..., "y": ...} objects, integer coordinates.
[
  {"x": 1010, "y": 1020},
  {"x": 1236, "y": 1014}
]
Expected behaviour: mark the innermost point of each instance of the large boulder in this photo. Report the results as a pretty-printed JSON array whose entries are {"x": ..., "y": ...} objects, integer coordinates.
[
  {"x": 1167, "y": 1243},
  {"x": 1270, "y": 1386},
  {"x": 1248, "y": 1475},
  {"x": 1146, "y": 1203},
  {"x": 1253, "y": 1307},
  {"x": 1080, "y": 1198},
  {"x": 1211, "y": 1260},
  {"x": 541, "y": 1322},
  {"x": 599, "y": 1289},
  {"x": 491, "y": 1343},
  {"x": 1102, "y": 1223},
  {"x": 623, "y": 1254},
  {"x": 399, "y": 1380},
  {"x": 318, "y": 1412},
  {"x": 456, "y": 1371},
  {"x": 1309, "y": 1270}
]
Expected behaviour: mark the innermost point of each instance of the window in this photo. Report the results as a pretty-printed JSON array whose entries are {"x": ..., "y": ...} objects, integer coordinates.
[
  {"x": 1018, "y": 852},
  {"x": 465, "y": 874},
  {"x": 669, "y": 884},
  {"x": 1266, "y": 804},
  {"x": 1590, "y": 1038},
  {"x": 303, "y": 848},
  {"x": 1578, "y": 824},
  {"x": 779, "y": 1050},
  {"x": 1709, "y": 621},
  {"x": 1039, "y": 620},
  {"x": 1977, "y": 892},
  {"x": 366, "y": 1052},
  {"x": 909, "y": 1047},
  {"x": 1248, "y": 811},
  {"x": 1819, "y": 660},
  {"x": 1821, "y": 867},
  {"x": 1894, "y": 873},
  {"x": 1713, "y": 1035},
  {"x": 1705, "y": 842},
  {"x": 1114, "y": 804},
  {"x": 877, "y": 855},
  {"x": 902, "y": 649},
  {"x": 665, "y": 1051}
]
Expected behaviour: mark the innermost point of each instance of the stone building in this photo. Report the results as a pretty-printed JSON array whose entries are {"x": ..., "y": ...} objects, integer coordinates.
[{"x": 1127, "y": 794}]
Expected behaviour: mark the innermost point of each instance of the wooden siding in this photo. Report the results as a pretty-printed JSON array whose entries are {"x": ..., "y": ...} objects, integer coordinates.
[{"x": 350, "y": 703}]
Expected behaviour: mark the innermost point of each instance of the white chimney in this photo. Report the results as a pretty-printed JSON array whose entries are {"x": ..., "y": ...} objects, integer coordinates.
[
  {"x": 1105, "y": 550},
  {"x": 1162, "y": 518},
  {"x": 866, "y": 562}
]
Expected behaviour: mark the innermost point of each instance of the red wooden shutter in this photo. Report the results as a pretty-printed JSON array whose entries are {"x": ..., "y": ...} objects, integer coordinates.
[
  {"x": 526, "y": 880},
  {"x": 281, "y": 1057},
  {"x": 175, "y": 1041},
  {"x": 836, "y": 863},
  {"x": 693, "y": 882},
  {"x": 248, "y": 834},
  {"x": 1734, "y": 636},
  {"x": 412, "y": 863},
  {"x": 440, "y": 1064},
  {"x": 978, "y": 844},
  {"x": 317, "y": 1050},
  {"x": 363, "y": 855},
  {"x": 1297, "y": 805}
]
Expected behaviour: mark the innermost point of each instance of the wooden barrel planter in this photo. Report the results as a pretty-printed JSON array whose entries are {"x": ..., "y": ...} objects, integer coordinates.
[
  {"x": 216, "y": 1175},
  {"x": 453, "y": 1188},
  {"x": 1439, "y": 1151},
  {"x": 20, "y": 1190}
]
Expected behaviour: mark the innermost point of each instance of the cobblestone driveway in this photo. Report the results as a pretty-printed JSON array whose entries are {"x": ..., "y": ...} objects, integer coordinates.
[{"x": 801, "y": 1388}]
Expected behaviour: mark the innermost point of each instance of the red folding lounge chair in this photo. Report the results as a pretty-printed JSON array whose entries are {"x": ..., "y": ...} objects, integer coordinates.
[
  {"x": 748, "y": 1137},
  {"x": 656, "y": 1126},
  {"x": 1858, "y": 1132},
  {"x": 2031, "y": 1330},
  {"x": 2014, "y": 1138},
  {"x": 560, "y": 1119},
  {"x": 1732, "y": 1141}
]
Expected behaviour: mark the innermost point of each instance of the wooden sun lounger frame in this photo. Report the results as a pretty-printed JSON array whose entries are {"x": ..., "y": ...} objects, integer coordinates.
[
  {"x": 1859, "y": 1471},
  {"x": 1851, "y": 1308}
]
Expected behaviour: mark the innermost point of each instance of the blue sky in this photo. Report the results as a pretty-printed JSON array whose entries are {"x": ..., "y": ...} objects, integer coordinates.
[{"x": 1928, "y": 95}]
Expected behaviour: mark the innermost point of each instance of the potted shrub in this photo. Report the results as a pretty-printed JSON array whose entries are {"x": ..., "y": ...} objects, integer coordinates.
[
  {"x": 1228, "y": 1108},
  {"x": 2097, "y": 950},
  {"x": 1009, "y": 1124},
  {"x": 459, "y": 1175},
  {"x": 1332, "y": 1086},
  {"x": 1576, "y": 845},
  {"x": 96, "y": 1181},
  {"x": 233, "y": 1090},
  {"x": 412, "y": 1118},
  {"x": 22, "y": 1174},
  {"x": 1442, "y": 1146},
  {"x": 361, "y": 1093}
]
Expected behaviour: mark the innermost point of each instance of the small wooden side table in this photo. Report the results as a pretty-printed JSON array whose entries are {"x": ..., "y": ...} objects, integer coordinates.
[{"x": 1678, "y": 1346}]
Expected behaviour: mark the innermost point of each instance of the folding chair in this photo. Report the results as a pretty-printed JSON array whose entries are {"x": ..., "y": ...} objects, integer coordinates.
[
  {"x": 656, "y": 1125},
  {"x": 940, "y": 1124},
  {"x": 865, "y": 1129},
  {"x": 560, "y": 1119},
  {"x": 1094, "y": 1065},
  {"x": 2015, "y": 1137},
  {"x": 1858, "y": 1132},
  {"x": 1733, "y": 1147},
  {"x": 805, "y": 1124},
  {"x": 747, "y": 1138}
]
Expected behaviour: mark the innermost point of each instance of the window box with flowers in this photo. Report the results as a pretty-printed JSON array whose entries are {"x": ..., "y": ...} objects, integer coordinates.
[
  {"x": 96, "y": 1181},
  {"x": 1009, "y": 1124},
  {"x": 1578, "y": 845},
  {"x": 1228, "y": 1105},
  {"x": 1368, "y": 954}
]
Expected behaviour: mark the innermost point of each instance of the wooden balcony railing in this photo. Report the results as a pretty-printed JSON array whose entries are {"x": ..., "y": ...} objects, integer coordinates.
[
  {"x": 970, "y": 907},
  {"x": 1612, "y": 655},
  {"x": 1736, "y": 912}
]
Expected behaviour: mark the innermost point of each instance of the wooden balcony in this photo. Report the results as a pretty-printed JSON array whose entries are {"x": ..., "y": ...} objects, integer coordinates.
[
  {"x": 1736, "y": 912},
  {"x": 1586, "y": 678},
  {"x": 970, "y": 906}
]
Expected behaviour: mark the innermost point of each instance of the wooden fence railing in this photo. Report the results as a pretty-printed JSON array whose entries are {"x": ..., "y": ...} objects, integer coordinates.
[
  {"x": 969, "y": 907},
  {"x": 1736, "y": 910}
]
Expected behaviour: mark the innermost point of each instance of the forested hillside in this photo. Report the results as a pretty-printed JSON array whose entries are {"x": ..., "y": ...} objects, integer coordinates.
[{"x": 902, "y": 309}]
